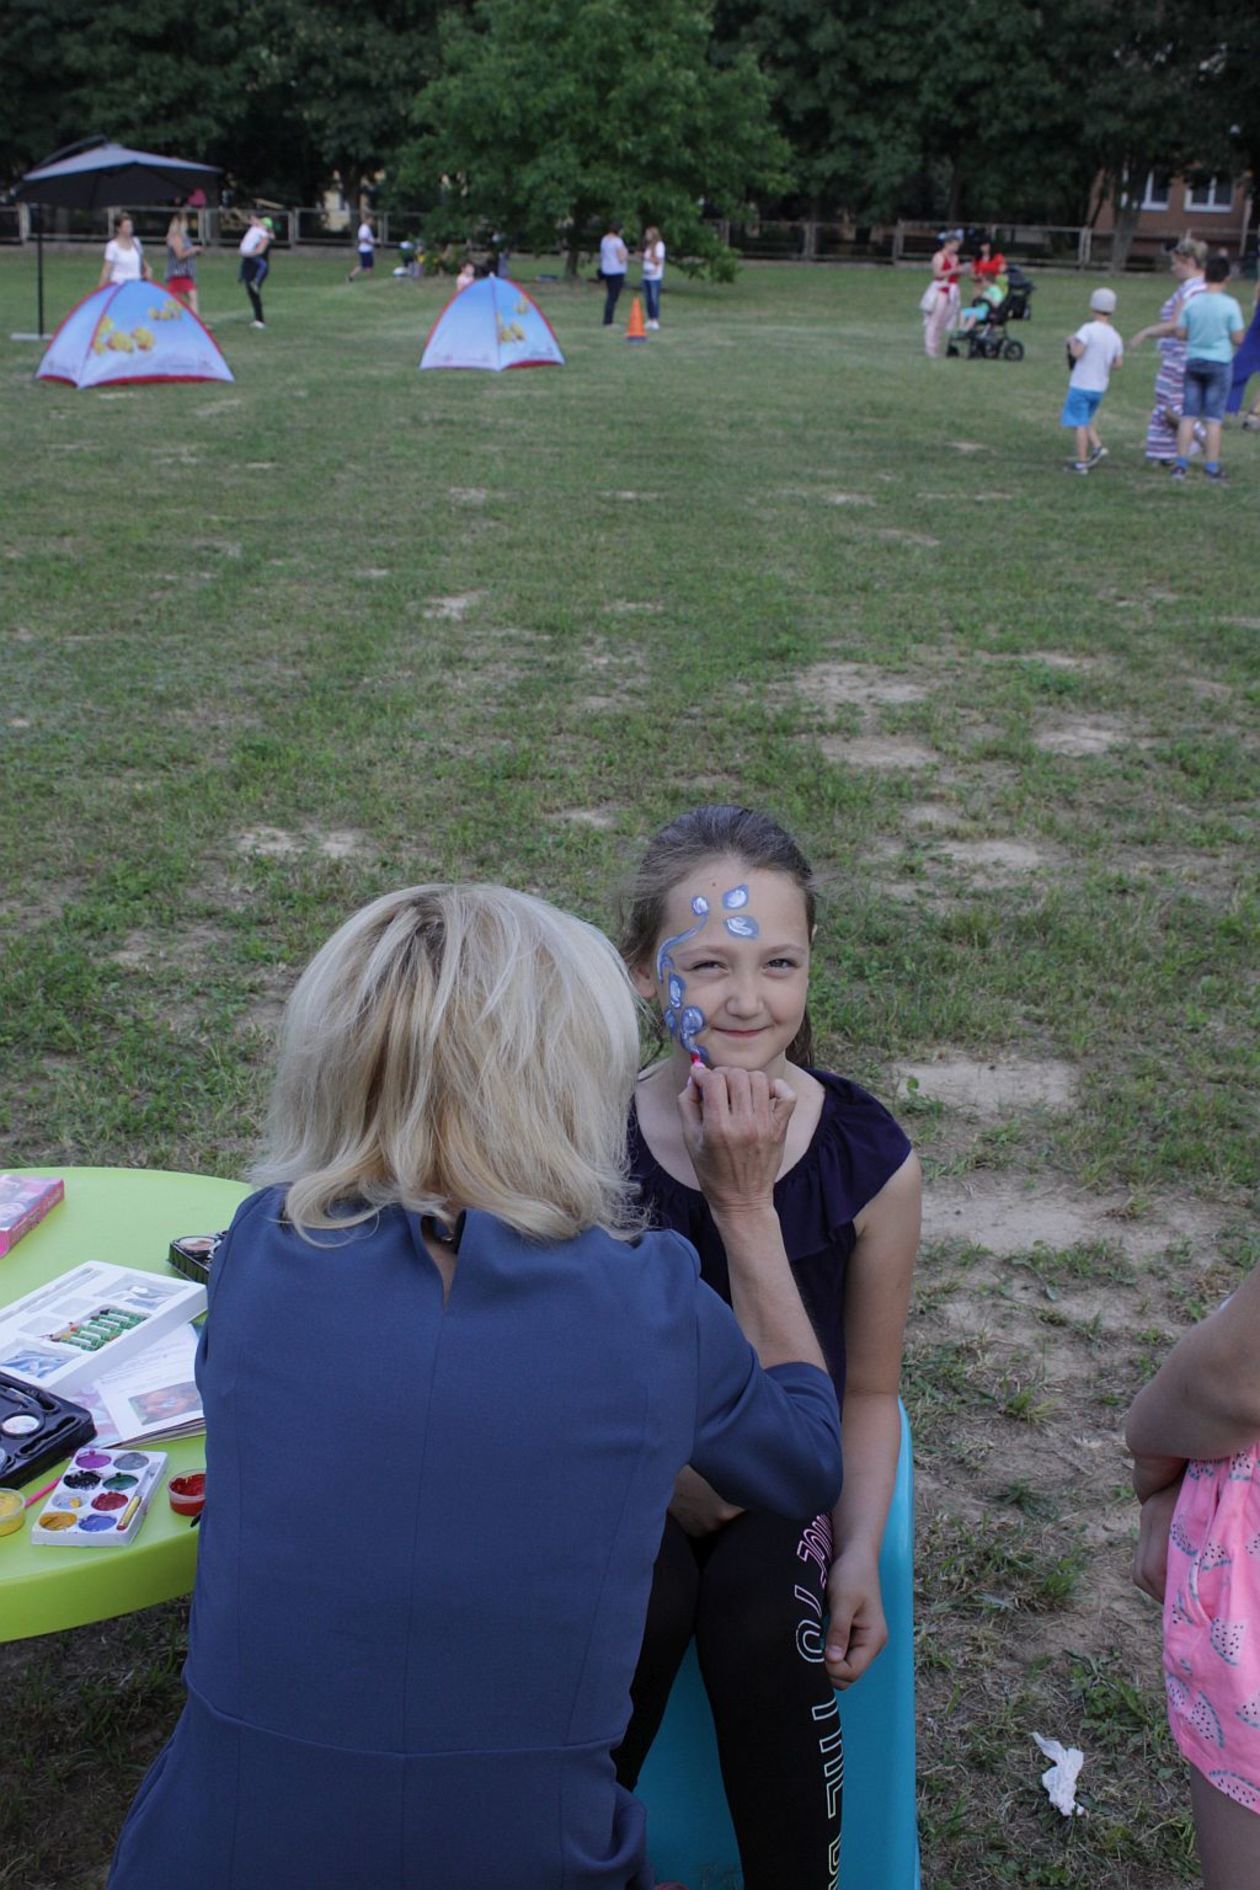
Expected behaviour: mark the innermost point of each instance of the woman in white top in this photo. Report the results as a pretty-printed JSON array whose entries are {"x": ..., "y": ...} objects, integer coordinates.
[
  {"x": 613, "y": 260},
  {"x": 653, "y": 270},
  {"x": 124, "y": 257}
]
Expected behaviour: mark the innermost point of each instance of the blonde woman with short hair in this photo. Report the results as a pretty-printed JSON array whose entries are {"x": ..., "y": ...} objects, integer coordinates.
[{"x": 448, "y": 1383}]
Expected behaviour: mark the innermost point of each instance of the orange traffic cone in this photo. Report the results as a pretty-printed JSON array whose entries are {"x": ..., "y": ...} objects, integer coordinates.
[{"x": 634, "y": 327}]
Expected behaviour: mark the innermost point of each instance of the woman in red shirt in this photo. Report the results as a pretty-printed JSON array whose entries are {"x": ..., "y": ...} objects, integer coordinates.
[{"x": 988, "y": 263}]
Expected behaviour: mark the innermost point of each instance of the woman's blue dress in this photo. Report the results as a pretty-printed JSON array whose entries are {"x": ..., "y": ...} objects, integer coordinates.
[{"x": 427, "y": 1548}]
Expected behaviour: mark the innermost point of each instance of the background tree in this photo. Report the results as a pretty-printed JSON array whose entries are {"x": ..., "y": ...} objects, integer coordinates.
[{"x": 550, "y": 117}]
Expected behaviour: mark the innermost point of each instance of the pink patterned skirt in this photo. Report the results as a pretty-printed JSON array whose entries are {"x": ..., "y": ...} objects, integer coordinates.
[{"x": 1212, "y": 1624}]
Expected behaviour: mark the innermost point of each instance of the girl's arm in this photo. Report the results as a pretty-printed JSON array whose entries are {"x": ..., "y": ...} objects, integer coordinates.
[
  {"x": 106, "y": 268},
  {"x": 877, "y": 1298},
  {"x": 1204, "y": 1401},
  {"x": 1157, "y": 331}
]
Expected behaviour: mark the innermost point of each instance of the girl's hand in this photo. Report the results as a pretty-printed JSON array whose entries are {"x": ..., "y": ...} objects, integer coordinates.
[
  {"x": 1150, "y": 1559},
  {"x": 697, "y": 1507},
  {"x": 734, "y": 1125},
  {"x": 857, "y": 1630}
]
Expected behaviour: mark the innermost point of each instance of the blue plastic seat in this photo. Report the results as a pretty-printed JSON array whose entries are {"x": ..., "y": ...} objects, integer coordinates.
[{"x": 690, "y": 1838}]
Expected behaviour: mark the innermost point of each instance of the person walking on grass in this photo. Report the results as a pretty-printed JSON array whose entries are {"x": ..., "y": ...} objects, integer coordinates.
[
  {"x": 254, "y": 246},
  {"x": 1093, "y": 351},
  {"x": 613, "y": 261},
  {"x": 1212, "y": 328},
  {"x": 1186, "y": 263},
  {"x": 653, "y": 272},
  {"x": 365, "y": 242}
]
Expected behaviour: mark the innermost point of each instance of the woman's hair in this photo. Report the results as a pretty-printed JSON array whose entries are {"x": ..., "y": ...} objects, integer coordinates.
[
  {"x": 451, "y": 1047},
  {"x": 651, "y": 234},
  {"x": 124, "y": 216},
  {"x": 707, "y": 833},
  {"x": 1192, "y": 250}
]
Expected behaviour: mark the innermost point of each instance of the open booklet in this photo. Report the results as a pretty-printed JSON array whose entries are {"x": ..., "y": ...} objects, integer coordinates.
[{"x": 153, "y": 1395}]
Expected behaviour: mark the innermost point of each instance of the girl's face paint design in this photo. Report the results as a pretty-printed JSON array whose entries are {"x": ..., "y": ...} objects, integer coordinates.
[
  {"x": 741, "y": 925},
  {"x": 684, "y": 1021}
]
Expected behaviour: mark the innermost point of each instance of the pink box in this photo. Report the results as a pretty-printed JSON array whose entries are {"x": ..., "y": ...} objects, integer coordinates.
[{"x": 24, "y": 1201}]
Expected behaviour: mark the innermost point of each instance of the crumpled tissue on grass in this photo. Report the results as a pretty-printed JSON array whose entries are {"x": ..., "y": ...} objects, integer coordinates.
[{"x": 1061, "y": 1775}]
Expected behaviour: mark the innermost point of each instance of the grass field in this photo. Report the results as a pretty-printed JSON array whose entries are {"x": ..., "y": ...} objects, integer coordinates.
[{"x": 272, "y": 648}]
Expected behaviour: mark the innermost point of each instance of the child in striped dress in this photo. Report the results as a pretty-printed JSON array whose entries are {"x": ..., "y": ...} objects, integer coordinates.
[{"x": 1195, "y": 1435}]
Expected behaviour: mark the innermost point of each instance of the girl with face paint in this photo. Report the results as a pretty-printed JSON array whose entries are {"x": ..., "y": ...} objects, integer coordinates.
[{"x": 718, "y": 935}]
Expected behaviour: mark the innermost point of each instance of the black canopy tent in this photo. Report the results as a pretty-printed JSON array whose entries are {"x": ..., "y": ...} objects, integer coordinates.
[{"x": 95, "y": 174}]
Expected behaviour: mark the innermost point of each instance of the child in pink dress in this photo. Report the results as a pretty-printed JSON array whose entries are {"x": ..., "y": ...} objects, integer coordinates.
[{"x": 1195, "y": 1435}]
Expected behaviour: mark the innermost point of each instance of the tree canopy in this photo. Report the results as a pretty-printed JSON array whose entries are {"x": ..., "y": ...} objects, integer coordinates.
[{"x": 550, "y": 116}]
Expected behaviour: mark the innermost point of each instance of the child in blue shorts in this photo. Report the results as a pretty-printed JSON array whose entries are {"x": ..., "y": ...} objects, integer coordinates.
[
  {"x": 1093, "y": 351},
  {"x": 1211, "y": 338}
]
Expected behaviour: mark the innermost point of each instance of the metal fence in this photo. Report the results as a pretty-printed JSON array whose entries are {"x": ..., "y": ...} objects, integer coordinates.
[{"x": 803, "y": 240}]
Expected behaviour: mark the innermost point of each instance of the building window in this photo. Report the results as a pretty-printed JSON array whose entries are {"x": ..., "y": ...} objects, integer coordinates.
[
  {"x": 1156, "y": 194},
  {"x": 1210, "y": 193}
]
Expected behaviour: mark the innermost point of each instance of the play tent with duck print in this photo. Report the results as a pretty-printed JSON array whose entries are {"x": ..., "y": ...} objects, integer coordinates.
[
  {"x": 132, "y": 332},
  {"x": 491, "y": 324}
]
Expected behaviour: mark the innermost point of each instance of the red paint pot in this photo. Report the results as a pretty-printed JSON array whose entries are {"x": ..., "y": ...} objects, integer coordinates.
[{"x": 188, "y": 1494}]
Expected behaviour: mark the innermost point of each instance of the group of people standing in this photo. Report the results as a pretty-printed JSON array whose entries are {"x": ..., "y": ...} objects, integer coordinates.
[
  {"x": 125, "y": 260},
  {"x": 614, "y": 261}
]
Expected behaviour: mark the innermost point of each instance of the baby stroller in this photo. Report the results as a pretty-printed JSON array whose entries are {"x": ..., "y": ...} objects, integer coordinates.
[
  {"x": 1021, "y": 289},
  {"x": 983, "y": 331}
]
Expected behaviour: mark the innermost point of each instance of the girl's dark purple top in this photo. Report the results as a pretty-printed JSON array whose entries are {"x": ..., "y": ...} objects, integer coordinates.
[{"x": 855, "y": 1149}]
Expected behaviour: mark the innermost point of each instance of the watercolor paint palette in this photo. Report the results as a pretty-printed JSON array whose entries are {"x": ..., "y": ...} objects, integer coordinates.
[
  {"x": 102, "y": 1500},
  {"x": 37, "y": 1429}
]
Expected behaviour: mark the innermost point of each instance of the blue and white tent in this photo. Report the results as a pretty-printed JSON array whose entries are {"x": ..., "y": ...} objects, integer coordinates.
[
  {"x": 132, "y": 331},
  {"x": 491, "y": 324}
]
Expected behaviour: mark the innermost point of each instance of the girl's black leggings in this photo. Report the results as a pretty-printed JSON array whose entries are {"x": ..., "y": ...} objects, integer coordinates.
[
  {"x": 252, "y": 279},
  {"x": 753, "y": 1595}
]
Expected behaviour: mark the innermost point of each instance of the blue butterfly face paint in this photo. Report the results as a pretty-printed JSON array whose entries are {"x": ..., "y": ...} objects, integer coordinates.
[
  {"x": 684, "y": 1021},
  {"x": 741, "y": 924}
]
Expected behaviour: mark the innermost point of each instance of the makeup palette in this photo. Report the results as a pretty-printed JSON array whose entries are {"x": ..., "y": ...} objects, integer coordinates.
[
  {"x": 192, "y": 1254},
  {"x": 100, "y": 1502},
  {"x": 37, "y": 1428}
]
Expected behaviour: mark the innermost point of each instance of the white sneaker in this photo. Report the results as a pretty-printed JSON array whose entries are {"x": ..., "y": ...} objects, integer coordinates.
[
  {"x": 258, "y": 324},
  {"x": 653, "y": 324}
]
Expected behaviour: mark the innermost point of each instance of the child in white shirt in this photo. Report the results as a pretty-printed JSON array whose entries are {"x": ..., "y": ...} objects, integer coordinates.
[{"x": 1093, "y": 351}]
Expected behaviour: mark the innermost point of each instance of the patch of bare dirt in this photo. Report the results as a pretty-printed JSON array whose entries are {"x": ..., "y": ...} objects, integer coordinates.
[
  {"x": 627, "y": 607},
  {"x": 839, "y": 685},
  {"x": 276, "y": 843},
  {"x": 184, "y": 950},
  {"x": 996, "y": 862},
  {"x": 1088, "y": 735},
  {"x": 452, "y": 609},
  {"x": 1005, "y": 1216},
  {"x": 40, "y": 903},
  {"x": 588, "y": 816},
  {"x": 998, "y": 1086},
  {"x": 632, "y": 497},
  {"x": 930, "y": 814},
  {"x": 877, "y": 751},
  {"x": 847, "y": 498},
  {"x": 373, "y": 572},
  {"x": 969, "y": 446},
  {"x": 467, "y": 495},
  {"x": 894, "y": 534}
]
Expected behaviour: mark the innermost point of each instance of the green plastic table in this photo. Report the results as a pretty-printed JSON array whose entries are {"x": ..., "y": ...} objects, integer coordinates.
[{"x": 128, "y": 1217}]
